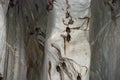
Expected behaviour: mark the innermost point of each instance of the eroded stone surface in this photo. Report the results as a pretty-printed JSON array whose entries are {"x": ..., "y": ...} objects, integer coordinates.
[
  {"x": 2, "y": 36},
  {"x": 67, "y": 44}
]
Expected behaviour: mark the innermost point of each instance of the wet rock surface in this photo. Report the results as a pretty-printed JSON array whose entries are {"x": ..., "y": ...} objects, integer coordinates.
[
  {"x": 26, "y": 27},
  {"x": 47, "y": 40},
  {"x": 105, "y": 40}
]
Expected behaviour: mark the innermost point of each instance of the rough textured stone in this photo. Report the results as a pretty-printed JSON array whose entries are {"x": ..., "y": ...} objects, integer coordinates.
[
  {"x": 24, "y": 54},
  {"x": 105, "y": 39}
]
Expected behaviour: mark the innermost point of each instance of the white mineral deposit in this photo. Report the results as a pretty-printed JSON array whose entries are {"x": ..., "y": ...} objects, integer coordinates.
[{"x": 67, "y": 48}]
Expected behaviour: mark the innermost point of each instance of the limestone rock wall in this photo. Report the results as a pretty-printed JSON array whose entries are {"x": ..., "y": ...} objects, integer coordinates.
[
  {"x": 105, "y": 39},
  {"x": 26, "y": 24}
]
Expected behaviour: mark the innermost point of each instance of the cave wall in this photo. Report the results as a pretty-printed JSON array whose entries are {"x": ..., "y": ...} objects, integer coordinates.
[
  {"x": 2, "y": 36},
  {"x": 26, "y": 32},
  {"x": 27, "y": 22},
  {"x": 26, "y": 27},
  {"x": 105, "y": 39},
  {"x": 67, "y": 46}
]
